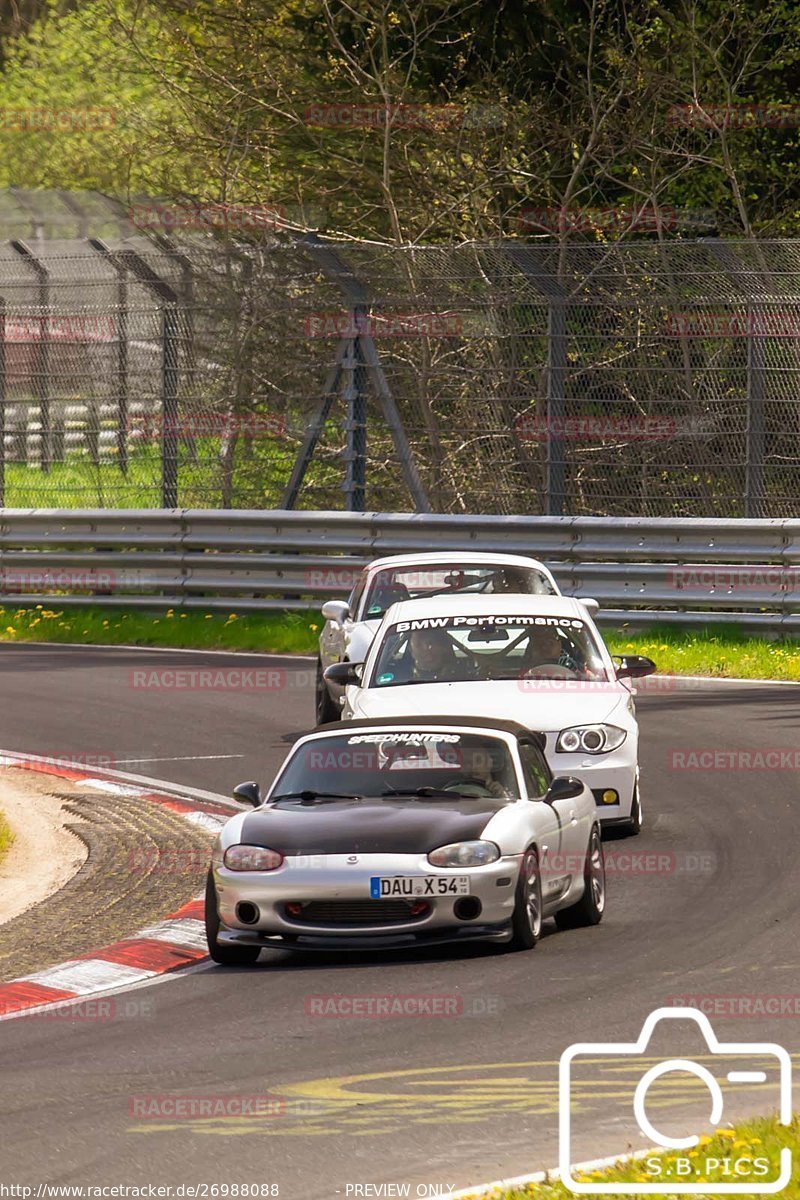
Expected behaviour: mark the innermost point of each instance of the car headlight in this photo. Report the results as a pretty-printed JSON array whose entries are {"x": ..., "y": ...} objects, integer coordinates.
[
  {"x": 464, "y": 854},
  {"x": 251, "y": 858},
  {"x": 590, "y": 739}
]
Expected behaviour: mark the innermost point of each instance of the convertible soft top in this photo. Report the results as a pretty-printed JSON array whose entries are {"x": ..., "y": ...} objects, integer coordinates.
[{"x": 520, "y": 732}]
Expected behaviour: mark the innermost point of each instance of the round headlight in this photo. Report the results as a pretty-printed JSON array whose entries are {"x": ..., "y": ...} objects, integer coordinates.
[
  {"x": 593, "y": 739},
  {"x": 251, "y": 858},
  {"x": 570, "y": 741},
  {"x": 464, "y": 854}
]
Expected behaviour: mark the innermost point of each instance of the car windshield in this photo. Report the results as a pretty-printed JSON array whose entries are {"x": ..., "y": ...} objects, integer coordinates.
[
  {"x": 393, "y": 584},
  {"x": 407, "y": 765},
  {"x": 459, "y": 649}
]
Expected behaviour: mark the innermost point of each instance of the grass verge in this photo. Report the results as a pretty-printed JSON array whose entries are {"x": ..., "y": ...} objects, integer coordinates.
[
  {"x": 751, "y": 1144},
  {"x": 712, "y": 651},
  {"x": 274, "y": 633},
  {"x": 715, "y": 651},
  {"x": 6, "y": 837}
]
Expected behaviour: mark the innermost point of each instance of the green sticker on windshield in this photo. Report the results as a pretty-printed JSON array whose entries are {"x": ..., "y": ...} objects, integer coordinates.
[{"x": 386, "y": 677}]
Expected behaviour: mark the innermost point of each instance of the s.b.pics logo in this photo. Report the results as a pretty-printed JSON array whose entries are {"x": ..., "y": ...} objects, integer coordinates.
[{"x": 658, "y": 1088}]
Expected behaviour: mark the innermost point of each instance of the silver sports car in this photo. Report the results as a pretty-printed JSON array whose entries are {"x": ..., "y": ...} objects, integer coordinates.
[{"x": 410, "y": 831}]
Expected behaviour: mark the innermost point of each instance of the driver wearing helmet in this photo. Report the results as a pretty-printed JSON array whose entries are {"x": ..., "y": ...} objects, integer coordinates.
[
  {"x": 479, "y": 764},
  {"x": 433, "y": 656},
  {"x": 547, "y": 648}
]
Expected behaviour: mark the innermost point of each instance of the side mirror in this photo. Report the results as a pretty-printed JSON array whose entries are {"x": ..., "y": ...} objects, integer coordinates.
[
  {"x": 593, "y": 606},
  {"x": 248, "y": 793},
  {"x": 564, "y": 787},
  {"x": 634, "y": 666},
  {"x": 336, "y": 610},
  {"x": 344, "y": 673}
]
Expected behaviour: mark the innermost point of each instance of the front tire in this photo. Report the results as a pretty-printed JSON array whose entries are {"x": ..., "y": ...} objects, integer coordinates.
[
  {"x": 591, "y": 906},
  {"x": 526, "y": 922},
  {"x": 326, "y": 709},
  {"x": 226, "y": 956}
]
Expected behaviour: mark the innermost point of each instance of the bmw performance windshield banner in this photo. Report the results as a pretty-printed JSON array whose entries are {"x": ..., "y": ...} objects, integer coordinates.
[{"x": 472, "y": 622}]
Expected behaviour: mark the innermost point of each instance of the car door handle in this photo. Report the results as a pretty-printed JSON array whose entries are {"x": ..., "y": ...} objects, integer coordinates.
[{"x": 573, "y": 818}]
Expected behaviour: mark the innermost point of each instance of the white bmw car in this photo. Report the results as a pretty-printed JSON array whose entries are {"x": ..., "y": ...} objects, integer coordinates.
[
  {"x": 539, "y": 660},
  {"x": 390, "y": 834},
  {"x": 350, "y": 625}
]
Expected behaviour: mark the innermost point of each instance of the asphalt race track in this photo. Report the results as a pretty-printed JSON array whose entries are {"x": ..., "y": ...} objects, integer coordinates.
[{"x": 708, "y": 908}]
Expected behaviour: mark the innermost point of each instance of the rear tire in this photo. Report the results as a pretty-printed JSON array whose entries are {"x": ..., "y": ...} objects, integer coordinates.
[
  {"x": 327, "y": 710},
  {"x": 526, "y": 922},
  {"x": 591, "y": 906},
  {"x": 226, "y": 956}
]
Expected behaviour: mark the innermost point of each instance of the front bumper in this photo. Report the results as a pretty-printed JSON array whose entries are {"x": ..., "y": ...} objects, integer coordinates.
[
  {"x": 616, "y": 771},
  {"x": 321, "y": 879}
]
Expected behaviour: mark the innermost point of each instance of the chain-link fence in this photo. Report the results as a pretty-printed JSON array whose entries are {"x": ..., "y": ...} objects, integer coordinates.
[{"x": 642, "y": 378}]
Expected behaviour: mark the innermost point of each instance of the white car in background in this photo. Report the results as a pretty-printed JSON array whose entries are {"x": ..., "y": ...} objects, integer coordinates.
[
  {"x": 538, "y": 660},
  {"x": 350, "y": 625}
]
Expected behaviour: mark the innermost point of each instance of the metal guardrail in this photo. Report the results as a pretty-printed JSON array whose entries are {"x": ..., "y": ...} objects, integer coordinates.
[{"x": 690, "y": 571}]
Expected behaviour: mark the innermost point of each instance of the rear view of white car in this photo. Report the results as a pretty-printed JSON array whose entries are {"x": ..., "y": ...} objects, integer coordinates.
[
  {"x": 350, "y": 625},
  {"x": 539, "y": 660}
]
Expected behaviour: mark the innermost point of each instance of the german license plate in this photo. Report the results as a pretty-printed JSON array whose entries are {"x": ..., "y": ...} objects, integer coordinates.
[{"x": 400, "y": 886}]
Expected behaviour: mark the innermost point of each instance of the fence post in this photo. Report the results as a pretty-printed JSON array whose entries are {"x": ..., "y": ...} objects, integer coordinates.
[
  {"x": 556, "y": 407},
  {"x": 122, "y": 372},
  {"x": 129, "y": 260},
  {"x": 756, "y": 395},
  {"x": 42, "y": 357},
  {"x": 169, "y": 445},
  {"x": 530, "y": 264},
  {"x": 2, "y": 402},
  {"x": 355, "y": 394}
]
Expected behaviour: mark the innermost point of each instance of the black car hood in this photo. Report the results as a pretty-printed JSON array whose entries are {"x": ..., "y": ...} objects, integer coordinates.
[{"x": 367, "y": 826}]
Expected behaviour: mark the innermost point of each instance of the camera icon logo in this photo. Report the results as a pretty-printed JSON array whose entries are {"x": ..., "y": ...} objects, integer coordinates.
[{"x": 673, "y": 1175}]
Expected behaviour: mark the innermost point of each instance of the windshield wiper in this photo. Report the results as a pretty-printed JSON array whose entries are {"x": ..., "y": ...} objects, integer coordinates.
[
  {"x": 432, "y": 793},
  {"x": 310, "y": 794}
]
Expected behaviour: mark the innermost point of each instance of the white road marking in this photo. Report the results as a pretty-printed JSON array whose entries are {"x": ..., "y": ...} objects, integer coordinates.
[
  {"x": 180, "y": 758},
  {"x": 207, "y": 820},
  {"x": 107, "y": 785},
  {"x": 88, "y": 975},
  {"x": 184, "y": 931}
]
